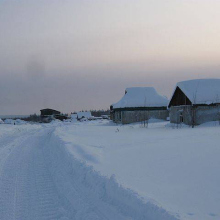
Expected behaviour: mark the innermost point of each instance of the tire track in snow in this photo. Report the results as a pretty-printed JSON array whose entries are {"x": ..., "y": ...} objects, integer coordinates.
[{"x": 27, "y": 190}]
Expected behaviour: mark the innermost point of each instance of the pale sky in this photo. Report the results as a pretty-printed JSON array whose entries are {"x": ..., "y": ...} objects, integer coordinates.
[{"x": 82, "y": 54}]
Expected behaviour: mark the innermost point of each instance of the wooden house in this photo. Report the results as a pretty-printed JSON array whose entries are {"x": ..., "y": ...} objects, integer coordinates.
[
  {"x": 49, "y": 112},
  {"x": 48, "y": 115},
  {"x": 195, "y": 102},
  {"x": 139, "y": 104}
]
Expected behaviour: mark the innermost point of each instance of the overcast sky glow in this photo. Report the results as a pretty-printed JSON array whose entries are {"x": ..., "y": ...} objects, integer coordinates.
[{"x": 82, "y": 54}]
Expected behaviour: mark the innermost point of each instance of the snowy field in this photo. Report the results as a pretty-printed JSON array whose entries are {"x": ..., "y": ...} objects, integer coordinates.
[
  {"x": 177, "y": 169},
  {"x": 99, "y": 170}
]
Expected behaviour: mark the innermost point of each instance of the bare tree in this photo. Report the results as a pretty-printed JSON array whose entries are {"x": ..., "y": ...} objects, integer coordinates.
[
  {"x": 146, "y": 113},
  {"x": 193, "y": 110},
  {"x": 218, "y": 108},
  {"x": 179, "y": 121}
]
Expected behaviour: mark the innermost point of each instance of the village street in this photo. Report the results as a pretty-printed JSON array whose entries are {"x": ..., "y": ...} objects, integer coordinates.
[
  {"x": 40, "y": 179},
  {"x": 109, "y": 110}
]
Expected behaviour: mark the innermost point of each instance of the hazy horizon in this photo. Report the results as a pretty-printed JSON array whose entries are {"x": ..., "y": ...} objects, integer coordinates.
[{"x": 75, "y": 55}]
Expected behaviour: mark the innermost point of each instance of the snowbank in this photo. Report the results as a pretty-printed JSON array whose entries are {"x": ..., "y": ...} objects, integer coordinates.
[
  {"x": 15, "y": 122},
  {"x": 9, "y": 121},
  {"x": 20, "y": 122},
  {"x": 78, "y": 183}
]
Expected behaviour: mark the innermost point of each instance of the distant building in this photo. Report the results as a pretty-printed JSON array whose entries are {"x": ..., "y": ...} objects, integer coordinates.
[
  {"x": 195, "y": 102},
  {"x": 48, "y": 115},
  {"x": 49, "y": 112},
  {"x": 74, "y": 116},
  {"x": 85, "y": 115},
  {"x": 139, "y": 104}
]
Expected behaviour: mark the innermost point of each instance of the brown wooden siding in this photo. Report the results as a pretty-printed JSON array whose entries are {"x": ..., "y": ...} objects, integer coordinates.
[{"x": 179, "y": 98}]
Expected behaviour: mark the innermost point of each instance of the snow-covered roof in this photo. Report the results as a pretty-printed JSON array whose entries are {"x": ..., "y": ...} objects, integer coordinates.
[
  {"x": 141, "y": 97},
  {"x": 201, "y": 91},
  {"x": 84, "y": 114}
]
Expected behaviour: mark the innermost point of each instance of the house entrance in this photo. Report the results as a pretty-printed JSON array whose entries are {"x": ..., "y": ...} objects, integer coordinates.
[{"x": 181, "y": 117}]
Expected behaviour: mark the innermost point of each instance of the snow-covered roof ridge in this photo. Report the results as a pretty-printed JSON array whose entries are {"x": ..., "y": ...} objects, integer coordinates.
[
  {"x": 141, "y": 97},
  {"x": 201, "y": 91}
]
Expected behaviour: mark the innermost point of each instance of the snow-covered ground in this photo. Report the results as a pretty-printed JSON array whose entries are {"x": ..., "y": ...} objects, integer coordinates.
[
  {"x": 177, "y": 169},
  {"x": 93, "y": 170},
  {"x": 41, "y": 179}
]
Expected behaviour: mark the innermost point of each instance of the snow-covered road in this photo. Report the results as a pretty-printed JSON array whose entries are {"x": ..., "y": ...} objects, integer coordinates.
[
  {"x": 27, "y": 190},
  {"x": 40, "y": 179}
]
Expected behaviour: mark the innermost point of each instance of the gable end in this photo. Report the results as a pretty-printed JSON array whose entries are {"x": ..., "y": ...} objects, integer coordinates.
[{"x": 179, "y": 98}]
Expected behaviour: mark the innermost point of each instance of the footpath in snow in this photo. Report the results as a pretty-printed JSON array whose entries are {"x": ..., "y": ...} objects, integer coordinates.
[{"x": 41, "y": 179}]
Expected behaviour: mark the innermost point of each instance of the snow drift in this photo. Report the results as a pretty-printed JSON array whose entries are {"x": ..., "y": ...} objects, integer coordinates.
[{"x": 92, "y": 196}]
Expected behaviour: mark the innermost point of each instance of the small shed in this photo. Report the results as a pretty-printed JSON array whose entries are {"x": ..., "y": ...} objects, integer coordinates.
[
  {"x": 195, "y": 102},
  {"x": 139, "y": 104}
]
